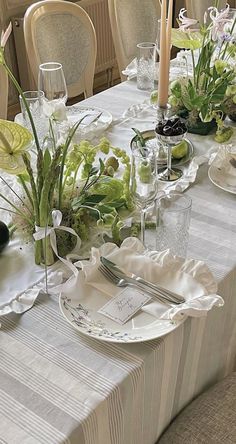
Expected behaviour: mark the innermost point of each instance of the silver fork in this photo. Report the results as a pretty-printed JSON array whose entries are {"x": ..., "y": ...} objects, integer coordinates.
[
  {"x": 124, "y": 282},
  {"x": 169, "y": 295}
]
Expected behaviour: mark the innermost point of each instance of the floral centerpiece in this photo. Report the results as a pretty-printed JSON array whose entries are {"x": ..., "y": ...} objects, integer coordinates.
[
  {"x": 207, "y": 93},
  {"x": 73, "y": 179}
]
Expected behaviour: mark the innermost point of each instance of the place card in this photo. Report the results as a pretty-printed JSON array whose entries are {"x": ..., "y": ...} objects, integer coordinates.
[{"x": 123, "y": 306}]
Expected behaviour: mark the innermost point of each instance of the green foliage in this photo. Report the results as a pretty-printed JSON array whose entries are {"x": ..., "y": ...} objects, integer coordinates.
[{"x": 205, "y": 94}]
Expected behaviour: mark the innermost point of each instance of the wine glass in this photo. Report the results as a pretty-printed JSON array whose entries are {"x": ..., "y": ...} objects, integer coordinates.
[
  {"x": 143, "y": 180},
  {"x": 51, "y": 81}
]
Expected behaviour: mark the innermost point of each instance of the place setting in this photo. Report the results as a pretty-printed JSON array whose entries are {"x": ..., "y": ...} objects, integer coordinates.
[{"x": 48, "y": 108}]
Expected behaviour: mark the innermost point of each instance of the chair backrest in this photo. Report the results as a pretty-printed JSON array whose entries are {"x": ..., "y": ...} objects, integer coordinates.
[
  {"x": 59, "y": 31},
  {"x": 132, "y": 22},
  {"x": 3, "y": 93},
  {"x": 196, "y": 9}
]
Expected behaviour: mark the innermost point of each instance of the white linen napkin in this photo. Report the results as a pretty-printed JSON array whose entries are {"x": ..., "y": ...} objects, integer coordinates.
[
  {"x": 179, "y": 67},
  {"x": 189, "y": 278}
]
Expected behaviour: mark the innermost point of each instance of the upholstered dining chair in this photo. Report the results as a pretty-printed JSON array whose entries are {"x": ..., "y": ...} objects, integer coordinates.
[
  {"x": 132, "y": 22},
  {"x": 60, "y": 31},
  {"x": 3, "y": 93},
  {"x": 210, "y": 418}
]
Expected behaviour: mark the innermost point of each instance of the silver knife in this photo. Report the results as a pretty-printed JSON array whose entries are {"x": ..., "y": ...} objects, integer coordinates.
[{"x": 169, "y": 294}]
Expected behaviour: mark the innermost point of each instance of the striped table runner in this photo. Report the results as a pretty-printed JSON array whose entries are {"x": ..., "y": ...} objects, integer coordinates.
[{"x": 57, "y": 386}]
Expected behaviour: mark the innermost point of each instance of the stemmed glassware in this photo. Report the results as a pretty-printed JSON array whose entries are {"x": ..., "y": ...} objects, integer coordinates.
[
  {"x": 143, "y": 180},
  {"x": 51, "y": 81}
]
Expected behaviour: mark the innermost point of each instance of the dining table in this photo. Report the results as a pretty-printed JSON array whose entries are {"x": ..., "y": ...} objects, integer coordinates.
[{"x": 60, "y": 386}]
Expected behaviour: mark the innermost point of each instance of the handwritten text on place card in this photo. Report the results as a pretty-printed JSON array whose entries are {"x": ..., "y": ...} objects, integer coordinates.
[{"x": 123, "y": 306}]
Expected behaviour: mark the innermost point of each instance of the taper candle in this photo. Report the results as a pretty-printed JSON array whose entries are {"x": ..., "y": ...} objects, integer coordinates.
[
  {"x": 162, "y": 99},
  {"x": 165, "y": 45},
  {"x": 169, "y": 27}
]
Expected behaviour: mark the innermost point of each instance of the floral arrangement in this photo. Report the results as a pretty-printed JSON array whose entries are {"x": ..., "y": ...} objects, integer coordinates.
[
  {"x": 208, "y": 93},
  {"x": 74, "y": 179}
]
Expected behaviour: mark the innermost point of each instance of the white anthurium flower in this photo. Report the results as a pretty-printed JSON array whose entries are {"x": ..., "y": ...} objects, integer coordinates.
[
  {"x": 219, "y": 19},
  {"x": 15, "y": 140},
  {"x": 55, "y": 111},
  {"x": 186, "y": 22}
]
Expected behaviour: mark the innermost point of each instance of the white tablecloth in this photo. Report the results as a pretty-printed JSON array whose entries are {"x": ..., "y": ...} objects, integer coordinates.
[{"x": 57, "y": 386}]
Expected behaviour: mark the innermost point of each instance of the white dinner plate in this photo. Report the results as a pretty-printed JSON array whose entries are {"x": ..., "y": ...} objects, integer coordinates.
[
  {"x": 81, "y": 311},
  {"x": 76, "y": 112},
  {"x": 222, "y": 179},
  {"x": 88, "y": 291}
]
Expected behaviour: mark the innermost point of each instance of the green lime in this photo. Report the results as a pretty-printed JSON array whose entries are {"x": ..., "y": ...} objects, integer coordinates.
[
  {"x": 153, "y": 97},
  {"x": 180, "y": 150}
]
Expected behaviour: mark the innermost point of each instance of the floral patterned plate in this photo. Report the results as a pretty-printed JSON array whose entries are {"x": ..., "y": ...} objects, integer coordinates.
[
  {"x": 85, "y": 293},
  {"x": 82, "y": 314}
]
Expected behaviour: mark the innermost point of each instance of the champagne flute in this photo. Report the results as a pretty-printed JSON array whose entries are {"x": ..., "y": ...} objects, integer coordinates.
[
  {"x": 143, "y": 180},
  {"x": 51, "y": 81}
]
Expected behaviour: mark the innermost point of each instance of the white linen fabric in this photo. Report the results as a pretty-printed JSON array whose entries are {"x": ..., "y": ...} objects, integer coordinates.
[
  {"x": 57, "y": 386},
  {"x": 190, "y": 279},
  {"x": 180, "y": 66}
]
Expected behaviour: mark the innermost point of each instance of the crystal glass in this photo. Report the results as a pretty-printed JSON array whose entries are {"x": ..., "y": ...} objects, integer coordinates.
[
  {"x": 231, "y": 26},
  {"x": 169, "y": 132},
  {"x": 34, "y": 101},
  {"x": 158, "y": 38},
  {"x": 51, "y": 81},
  {"x": 146, "y": 65},
  {"x": 143, "y": 180},
  {"x": 173, "y": 219}
]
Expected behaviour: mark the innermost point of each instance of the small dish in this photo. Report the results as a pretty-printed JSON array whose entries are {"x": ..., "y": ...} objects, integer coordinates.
[
  {"x": 150, "y": 139},
  {"x": 221, "y": 179}
]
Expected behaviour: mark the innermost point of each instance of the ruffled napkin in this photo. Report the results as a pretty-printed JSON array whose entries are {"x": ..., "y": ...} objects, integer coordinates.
[
  {"x": 21, "y": 281},
  {"x": 179, "y": 67},
  {"x": 189, "y": 278}
]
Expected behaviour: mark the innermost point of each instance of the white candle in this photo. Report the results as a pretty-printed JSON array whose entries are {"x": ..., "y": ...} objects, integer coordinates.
[
  {"x": 169, "y": 27},
  {"x": 162, "y": 99},
  {"x": 165, "y": 45}
]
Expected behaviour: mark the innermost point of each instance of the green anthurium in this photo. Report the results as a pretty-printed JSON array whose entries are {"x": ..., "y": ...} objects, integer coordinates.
[
  {"x": 14, "y": 141},
  {"x": 186, "y": 40}
]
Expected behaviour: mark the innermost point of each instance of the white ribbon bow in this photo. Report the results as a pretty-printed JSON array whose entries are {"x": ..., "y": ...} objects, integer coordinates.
[{"x": 43, "y": 232}]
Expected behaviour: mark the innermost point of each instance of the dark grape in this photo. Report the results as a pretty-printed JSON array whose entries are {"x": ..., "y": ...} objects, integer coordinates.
[{"x": 171, "y": 127}]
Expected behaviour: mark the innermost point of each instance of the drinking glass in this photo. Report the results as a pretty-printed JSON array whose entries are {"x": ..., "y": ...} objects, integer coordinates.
[
  {"x": 34, "y": 101},
  {"x": 146, "y": 66},
  {"x": 143, "y": 180},
  {"x": 158, "y": 38},
  {"x": 51, "y": 81},
  {"x": 173, "y": 219},
  {"x": 231, "y": 26}
]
